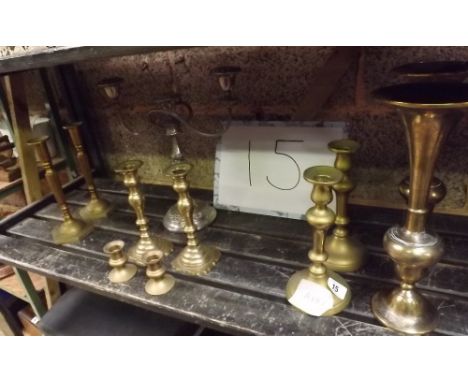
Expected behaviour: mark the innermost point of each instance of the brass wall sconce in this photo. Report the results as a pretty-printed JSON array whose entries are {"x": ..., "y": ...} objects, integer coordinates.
[
  {"x": 345, "y": 253},
  {"x": 195, "y": 258},
  {"x": 128, "y": 170},
  {"x": 121, "y": 270},
  {"x": 97, "y": 208},
  {"x": 159, "y": 282},
  {"x": 429, "y": 111},
  {"x": 317, "y": 290},
  {"x": 72, "y": 229}
]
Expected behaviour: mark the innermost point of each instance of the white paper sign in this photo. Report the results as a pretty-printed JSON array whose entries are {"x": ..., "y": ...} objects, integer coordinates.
[
  {"x": 260, "y": 165},
  {"x": 338, "y": 289},
  {"x": 311, "y": 298}
]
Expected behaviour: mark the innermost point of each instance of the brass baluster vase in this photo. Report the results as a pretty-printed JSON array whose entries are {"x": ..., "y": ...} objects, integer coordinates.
[{"x": 429, "y": 111}]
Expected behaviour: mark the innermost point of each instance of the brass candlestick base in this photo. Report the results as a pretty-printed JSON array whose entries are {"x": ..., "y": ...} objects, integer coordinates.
[
  {"x": 317, "y": 290},
  {"x": 95, "y": 209},
  {"x": 71, "y": 230},
  {"x": 121, "y": 271},
  {"x": 345, "y": 253},
  {"x": 203, "y": 215},
  {"x": 429, "y": 111},
  {"x": 129, "y": 170},
  {"x": 159, "y": 281},
  {"x": 195, "y": 258}
]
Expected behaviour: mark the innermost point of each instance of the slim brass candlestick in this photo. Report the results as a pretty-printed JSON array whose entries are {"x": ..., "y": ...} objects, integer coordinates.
[
  {"x": 121, "y": 270},
  {"x": 97, "y": 208},
  {"x": 345, "y": 253},
  {"x": 317, "y": 290},
  {"x": 429, "y": 111},
  {"x": 129, "y": 172},
  {"x": 159, "y": 281},
  {"x": 71, "y": 230},
  {"x": 195, "y": 258}
]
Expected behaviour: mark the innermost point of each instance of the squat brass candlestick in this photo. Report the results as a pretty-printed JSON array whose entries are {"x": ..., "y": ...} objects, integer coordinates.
[
  {"x": 71, "y": 230},
  {"x": 97, "y": 208},
  {"x": 345, "y": 253},
  {"x": 159, "y": 281},
  {"x": 128, "y": 170},
  {"x": 121, "y": 270},
  {"x": 195, "y": 258},
  {"x": 429, "y": 111},
  {"x": 317, "y": 290}
]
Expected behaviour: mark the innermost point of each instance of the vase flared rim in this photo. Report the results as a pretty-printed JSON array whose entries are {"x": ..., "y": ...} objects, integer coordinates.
[
  {"x": 425, "y": 95},
  {"x": 428, "y": 69}
]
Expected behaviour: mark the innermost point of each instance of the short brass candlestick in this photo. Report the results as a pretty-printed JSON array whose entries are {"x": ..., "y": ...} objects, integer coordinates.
[
  {"x": 345, "y": 253},
  {"x": 129, "y": 172},
  {"x": 121, "y": 270},
  {"x": 159, "y": 281},
  {"x": 429, "y": 111},
  {"x": 317, "y": 290},
  {"x": 195, "y": 258},
  {"x": 97, "y": 208},
  {"x": 71, "y": 230},
  {"x": 431, "y": 71}
]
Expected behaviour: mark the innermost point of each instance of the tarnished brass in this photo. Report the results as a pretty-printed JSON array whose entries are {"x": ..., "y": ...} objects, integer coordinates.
[
  {"x": 345, "y": 253},
  {"x": 318, "y": 276},
  {"x": 71, "y": 230},
  {"x": 195, "y": 258},
  {"x": 429, "y": 111},
  {"x": 159, "y": 281},
  {"x": 129, "y": 172},
  {"x": 121, "y": 270},
  {"x": 97, "y": 208}
]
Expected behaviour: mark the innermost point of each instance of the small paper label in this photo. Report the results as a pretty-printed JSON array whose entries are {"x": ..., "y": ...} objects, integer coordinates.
[
  {"x": 35, "y": 320},
  {"x": 338, "y": 289},
  {"x": 311, "y": 298}
]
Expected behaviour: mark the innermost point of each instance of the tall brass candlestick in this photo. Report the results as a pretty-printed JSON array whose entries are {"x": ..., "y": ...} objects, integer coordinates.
[
  {"x": 128, "y": 170},
  {"x": 97, "y": 208},
  {"x": 195, "y": 258},
  {"x": 429, "y": 111},
  {"x": 345, "y": 253},
  {"x": 71, "y": 230},
  {"x": 317, "y": 290}
]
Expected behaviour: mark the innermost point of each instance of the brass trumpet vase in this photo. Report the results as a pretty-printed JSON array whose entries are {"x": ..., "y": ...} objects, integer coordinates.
[
  {"x": 121, "y": 270},
  {"x": 97, "y": 208},
  {"x": 345, "y": 253},
  {"x": 195, "y": 258},
  {"x": 71, "y": 230},
  {"x": 429, "y": 111},
  {"x": 159, "y": 282},
  {"x": 317, "y": 290},
  {"x": 128, "y": 170}
]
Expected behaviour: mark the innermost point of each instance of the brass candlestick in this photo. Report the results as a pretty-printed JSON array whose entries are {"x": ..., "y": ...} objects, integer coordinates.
[
  {"x": 317, "y": 290},
  {"x": 195, "y": 258},
  {"x": 128, "y": 170},
  {"x": 429, "y": 111},
  {"x": 71, "y": 230},
  {"x": 345, "y": 253},
  {"x": 159, "y": 281},
  {"x": 432, "y": 71},
  {"x": 97, "y": 208},
  {"x": 121, "y": 270}
]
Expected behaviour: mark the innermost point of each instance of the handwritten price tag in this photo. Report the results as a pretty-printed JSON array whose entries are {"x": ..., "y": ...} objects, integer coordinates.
[
  {"x": 338, "y": 289},
  {"x": 311, "y": 298}
]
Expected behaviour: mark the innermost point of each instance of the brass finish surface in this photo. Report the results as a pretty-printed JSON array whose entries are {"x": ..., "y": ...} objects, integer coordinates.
[
  {"x": 159, "y": 281},
  {"x": 321, "y": 218},
  {"x": 345, "y": 253},
  {"x": 96, "y": 208},
  {"x": 429, "y": 111},
  {"x": 121, "y": 270},
  {"x": 129, "y": 172},
  {"x": 195, "y": 258},
  {"x": 437, "y": 191},
  {"x": 71, "y": 230}
]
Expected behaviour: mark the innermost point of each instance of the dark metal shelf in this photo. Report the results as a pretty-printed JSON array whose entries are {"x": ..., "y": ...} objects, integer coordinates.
[{"x": 244, "y": 294}]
